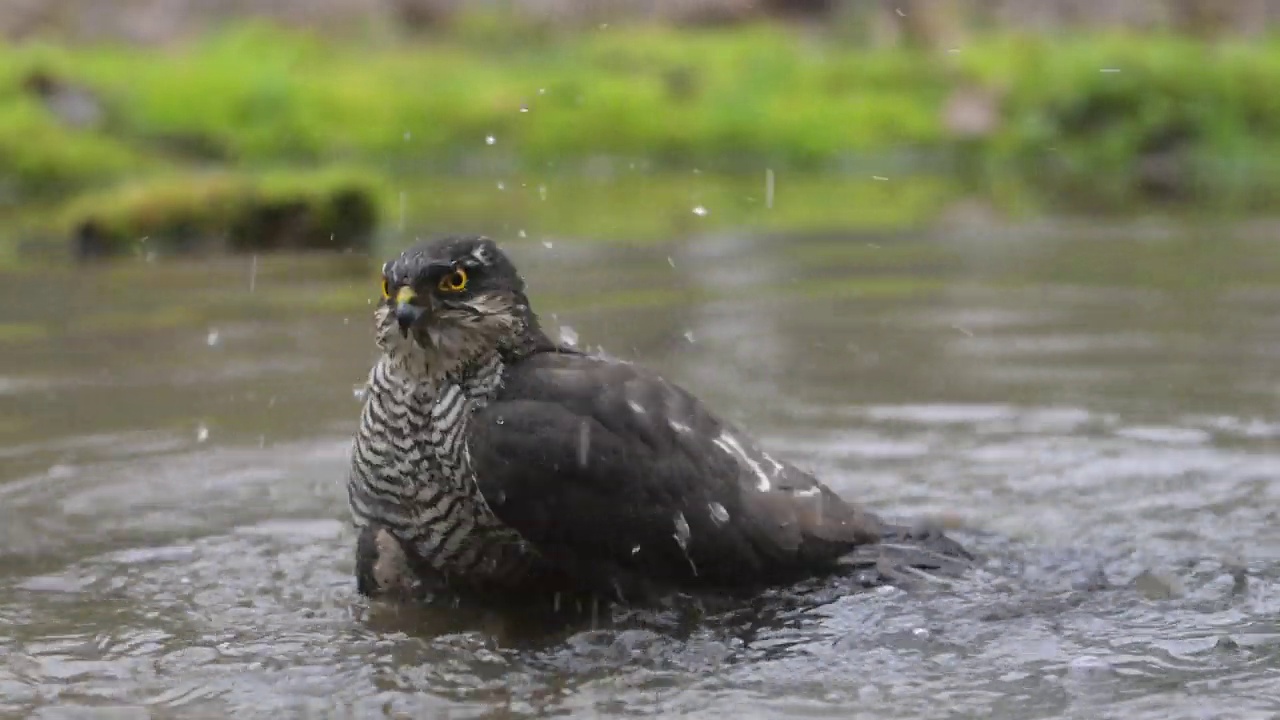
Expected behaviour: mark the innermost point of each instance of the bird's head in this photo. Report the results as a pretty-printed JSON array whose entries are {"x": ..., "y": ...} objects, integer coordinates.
[{"x": 452, "y": 301}]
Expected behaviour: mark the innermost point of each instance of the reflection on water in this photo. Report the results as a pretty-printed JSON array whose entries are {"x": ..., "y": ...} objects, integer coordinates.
[{"x": 173, "y": 439}]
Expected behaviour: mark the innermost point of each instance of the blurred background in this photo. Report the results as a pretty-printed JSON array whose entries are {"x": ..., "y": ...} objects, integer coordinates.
[
  {"x": 1012, "y": 264},
  {"x": 265, "y": 124}
]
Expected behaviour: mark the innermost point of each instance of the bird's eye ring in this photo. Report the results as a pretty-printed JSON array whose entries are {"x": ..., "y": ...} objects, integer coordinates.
[
  {"x": 386, "y": 289},
  {"x": 455, "y": 281}
]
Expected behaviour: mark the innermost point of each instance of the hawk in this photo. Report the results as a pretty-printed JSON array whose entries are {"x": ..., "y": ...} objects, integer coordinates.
[{"x": 490, "y": 459}]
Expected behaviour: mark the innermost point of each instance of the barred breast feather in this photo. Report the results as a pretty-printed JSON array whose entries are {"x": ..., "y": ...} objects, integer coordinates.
[{"x": 411, "y": 473}]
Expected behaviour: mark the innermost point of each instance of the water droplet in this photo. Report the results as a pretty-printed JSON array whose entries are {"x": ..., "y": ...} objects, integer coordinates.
[
  {"x": 682, "y": 531},
  {"x": 542, "y": 91},
  {"x": 584, "y": 443},
  {"x": 498, "y": 420},
  {"x": 202, "y": 433},
  {"x": 671, "y": 261},
  {"x": 358, "y": 392},
  {"x": 521, "y": 233},
  {"x": 700, "y": 211},
  {"x": 407, "y": 135},
  {"x": 212, "y": 338},
  {"x": 879, "y": 177},
  {"x": 635, "y": 550},
  {"x": 718, "y": 514},
  {"x": 59, "y": 470},
  {"x": 542, "y": 192},
  {"x": 568, "y": 335},
  {"x": 489, "y": 139},
  {"x": 524, "y": 107},
  {"x": 548, "y": 244},
  {"x": 688, "y": 335},
  {"x": 1089, "y": 667},
  {"x": 502, "y": 185}
]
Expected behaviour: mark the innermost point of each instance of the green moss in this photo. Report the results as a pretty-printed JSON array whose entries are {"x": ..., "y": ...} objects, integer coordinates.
[
  {"x": 1089, "y": 113},
  {"x": 332, "y": 210},
  {"x": 39, "y": 158}
]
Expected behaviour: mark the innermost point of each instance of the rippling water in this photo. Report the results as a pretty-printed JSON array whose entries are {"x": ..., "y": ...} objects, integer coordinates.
[{"x": 1096, "y": 410}]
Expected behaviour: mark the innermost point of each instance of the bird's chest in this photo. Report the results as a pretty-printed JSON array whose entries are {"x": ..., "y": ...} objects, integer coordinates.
[{"x": 424, "y": 447}]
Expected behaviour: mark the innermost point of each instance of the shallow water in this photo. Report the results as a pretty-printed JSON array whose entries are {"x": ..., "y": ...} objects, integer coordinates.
[{"x": 1096, "y": 406}]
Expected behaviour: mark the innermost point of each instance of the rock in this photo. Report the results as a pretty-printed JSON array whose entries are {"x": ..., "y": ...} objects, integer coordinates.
[{"x": 225, "y": 213}]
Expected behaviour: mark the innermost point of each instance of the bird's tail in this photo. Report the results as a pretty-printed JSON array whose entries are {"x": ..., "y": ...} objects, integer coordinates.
[{"x": 906, "y": 554}]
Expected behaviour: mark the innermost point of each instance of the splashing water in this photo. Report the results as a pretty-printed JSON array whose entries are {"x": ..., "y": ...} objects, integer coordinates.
[
  {"x": 568, "y": 335},
  {"x": 682, "y": 536},
  {"x": 584, "y": 443}
]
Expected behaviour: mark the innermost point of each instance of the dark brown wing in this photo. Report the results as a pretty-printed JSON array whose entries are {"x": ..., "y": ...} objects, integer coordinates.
[{"x": 632, "y": 484}]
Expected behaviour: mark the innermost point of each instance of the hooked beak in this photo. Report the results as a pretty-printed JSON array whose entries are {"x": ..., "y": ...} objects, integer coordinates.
[{"x": 407, "y": 314}]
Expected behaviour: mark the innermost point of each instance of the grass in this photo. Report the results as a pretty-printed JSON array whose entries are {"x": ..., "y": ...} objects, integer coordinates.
[
  {"x": 263, "y": 96},
  {"x": 448, "y": 117},
  {"x": 1085, "y": 112}
]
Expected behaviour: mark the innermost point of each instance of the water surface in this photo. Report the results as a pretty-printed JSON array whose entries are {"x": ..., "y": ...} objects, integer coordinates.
[{"x": 1095, "y": 405}]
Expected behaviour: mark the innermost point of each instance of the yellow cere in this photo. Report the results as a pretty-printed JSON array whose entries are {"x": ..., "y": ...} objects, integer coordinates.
[
  {"x": 405, "y": 294},
  {"x": 455, "y": 281}
]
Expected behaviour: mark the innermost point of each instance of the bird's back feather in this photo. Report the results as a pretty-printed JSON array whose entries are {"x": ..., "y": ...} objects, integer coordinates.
[{"x": 628, "y": 481}]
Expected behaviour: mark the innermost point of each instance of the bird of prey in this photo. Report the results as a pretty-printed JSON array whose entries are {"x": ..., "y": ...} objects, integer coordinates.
[{"x": 490, "y": 459}]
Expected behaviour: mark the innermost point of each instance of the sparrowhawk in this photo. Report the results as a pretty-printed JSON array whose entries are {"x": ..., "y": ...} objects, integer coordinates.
[{"x": 490, "y": 458}]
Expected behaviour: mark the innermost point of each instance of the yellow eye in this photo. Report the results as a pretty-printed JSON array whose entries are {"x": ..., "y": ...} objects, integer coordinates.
[
  {"x": 386, "y": 289},
  {"x": 455, "y": 281}
]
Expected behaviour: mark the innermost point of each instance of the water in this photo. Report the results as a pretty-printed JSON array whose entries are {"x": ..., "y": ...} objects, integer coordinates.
[{"x": 1095, "y": 406}]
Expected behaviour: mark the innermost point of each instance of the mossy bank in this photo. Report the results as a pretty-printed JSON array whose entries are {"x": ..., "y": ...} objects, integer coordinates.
[{"x": 1099, "y": 119}]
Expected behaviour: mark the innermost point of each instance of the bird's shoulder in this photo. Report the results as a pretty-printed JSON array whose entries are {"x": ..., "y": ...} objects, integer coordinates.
[{"x": 620, "y": 396}]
